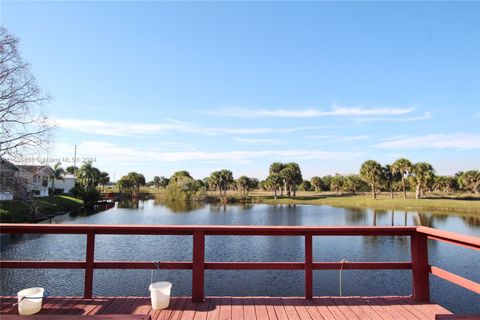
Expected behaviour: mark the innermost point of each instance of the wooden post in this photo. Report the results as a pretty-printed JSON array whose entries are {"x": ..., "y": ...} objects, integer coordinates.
[
  {"x": 198, "y": 266},
  {"x": 420, "y": 268},
  {"x": 89, "y": 258},
  {"x": 308, "y": 266}
]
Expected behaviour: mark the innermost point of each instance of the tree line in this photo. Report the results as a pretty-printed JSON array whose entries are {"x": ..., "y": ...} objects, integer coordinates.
[{"x": 285, "y": 179}]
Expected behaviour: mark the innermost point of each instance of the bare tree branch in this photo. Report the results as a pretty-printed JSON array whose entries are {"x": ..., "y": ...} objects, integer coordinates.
[{"x": 22, "y": 120}]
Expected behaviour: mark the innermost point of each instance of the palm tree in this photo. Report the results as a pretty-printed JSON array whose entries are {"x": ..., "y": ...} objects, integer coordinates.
[
  {"x": 390, "y": 177},
  {"x": 103, "y": 179},
  {"x": 371, "y": 172},
  {"x": 273, "y": 183},
  {"x": 292, "y": 177},
  {"x": 404, "y": 168},
  {"x": 214, "y": 181},
  {"x": 243, "y": 184},
  {"x": 337, "y": 182},
  {"x": 317, "y": 183},
  {"x": 156, "y": 182},
  {"x": 276, "y": 168},
  {"x": 470, "y": 180},
  {"x": 423, "y": 176},
  {"x": 88, "y": 175},
  {"x": 57, "y": 173},
  {"x": 225, "y": 180}
]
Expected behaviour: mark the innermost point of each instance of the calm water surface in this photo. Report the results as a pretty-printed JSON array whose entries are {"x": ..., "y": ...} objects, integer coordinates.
[{"x": 456, "y": 259}]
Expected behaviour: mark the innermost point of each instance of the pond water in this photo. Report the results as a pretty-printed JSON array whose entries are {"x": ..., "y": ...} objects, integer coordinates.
[{"x": 462, "y": 261}]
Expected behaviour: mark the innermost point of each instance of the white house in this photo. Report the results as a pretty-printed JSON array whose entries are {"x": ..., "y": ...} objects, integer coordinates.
[
  {"x": 66, "y": 183},
  {"x": 26, "y": 181},
  {"x": 37, "y": 179}
]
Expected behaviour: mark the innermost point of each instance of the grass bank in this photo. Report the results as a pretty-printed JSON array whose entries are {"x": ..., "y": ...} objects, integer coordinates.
[
  {"x": 435, "y": 202},
  {"x": 384, "y": 203},
  {"x": 456, "y": 203},
  {"x": 38, "y": 209}
]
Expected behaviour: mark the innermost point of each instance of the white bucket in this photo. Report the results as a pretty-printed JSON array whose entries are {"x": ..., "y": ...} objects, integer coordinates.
[
  {"x": 30, "y": 301},
  {"x": 160, "y": 294}
]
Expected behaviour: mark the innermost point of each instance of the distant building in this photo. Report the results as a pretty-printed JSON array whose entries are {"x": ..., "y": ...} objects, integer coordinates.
[
  {"x": 65, "y": 184},
  {"x": 12, "y": 185},
  {"x": 37, "y": 178},
  {"x": 28, "y": 181}
]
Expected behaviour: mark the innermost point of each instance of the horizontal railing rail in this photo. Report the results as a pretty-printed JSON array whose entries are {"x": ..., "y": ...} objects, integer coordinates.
[
  {"x": 469, "y": 242},
  {"x": 227, "y": 230},
  {"x": 419, "y": 251}
]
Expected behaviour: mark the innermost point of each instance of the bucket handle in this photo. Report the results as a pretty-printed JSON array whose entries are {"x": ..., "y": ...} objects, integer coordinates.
[
  {"x": 45, "y": 295},
  {"x": 157, "y": 265}
]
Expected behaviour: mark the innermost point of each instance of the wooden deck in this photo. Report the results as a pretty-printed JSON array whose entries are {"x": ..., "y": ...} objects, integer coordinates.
[{"x": 242, "y": 308}]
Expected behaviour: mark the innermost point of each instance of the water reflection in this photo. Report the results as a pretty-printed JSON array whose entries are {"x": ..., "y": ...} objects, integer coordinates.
[
  {"x": 128, "y": 203},
  {"x": 472, "y": 221},
  {"x": 356, "y": 215},
  {"x": 182, "y": 206}
]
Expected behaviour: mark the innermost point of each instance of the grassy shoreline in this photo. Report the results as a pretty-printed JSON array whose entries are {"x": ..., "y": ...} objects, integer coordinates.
[
  {"x": 20, "y": 211},
  {"x": 437, "y": 205},
  {"x": 458, "y": 203}
]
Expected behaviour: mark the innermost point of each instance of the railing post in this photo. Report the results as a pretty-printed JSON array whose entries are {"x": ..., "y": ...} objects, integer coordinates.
[
  {"x": 198, "y": 266},
  {"x": 89, "y": 258},
  {"x": 420, "y": 272},
  {"x": 308, "y": 266}
]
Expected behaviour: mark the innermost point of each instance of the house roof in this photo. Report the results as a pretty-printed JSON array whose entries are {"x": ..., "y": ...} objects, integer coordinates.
[
  {"x": 7, "y": 165},
  {"x": 42, "y": 169}
]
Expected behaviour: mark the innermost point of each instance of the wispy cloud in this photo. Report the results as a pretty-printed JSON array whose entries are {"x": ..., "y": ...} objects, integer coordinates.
[
  {"x": 117, "y": 128},
  {"x": 339, "y": 138},
  {"x": 310, "y": 112},
  {"x": 258, "y": 141},
  {"x": 434, "y": 141},
  {"x": 425, "y": 116},
  {"x": 108, "y": 152}
]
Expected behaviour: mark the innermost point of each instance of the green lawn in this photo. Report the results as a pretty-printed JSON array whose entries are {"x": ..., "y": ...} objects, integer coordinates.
[
  {"x": 19, "y": 211},
  {"x": 458, "y": 203},
  {"x": 362, "y": 201},
  {"x": 455, "y": 203}
]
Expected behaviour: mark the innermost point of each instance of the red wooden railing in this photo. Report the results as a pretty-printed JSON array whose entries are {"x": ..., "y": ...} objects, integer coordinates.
[{"x": 419, "y": 252}]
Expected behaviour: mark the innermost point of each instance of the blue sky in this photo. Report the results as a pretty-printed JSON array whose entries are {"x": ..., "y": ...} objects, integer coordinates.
[{"x": 157, "y": 87}]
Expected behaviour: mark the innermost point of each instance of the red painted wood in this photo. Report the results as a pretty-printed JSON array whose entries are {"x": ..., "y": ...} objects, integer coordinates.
[
  {"x": 32, "y": 264},
  {"x": 266, "y": 301},
  {"x": 189, "y": 311},
  {"x": 458, "y": 280},
  {"x": 308, "y": 266},
  {"x": 312, "y": 311},
  {"x": 420, "y": 267},
  {"x": 277, "y": 304},
  {"x": 451, "y": 237},
  {"x": 198, "y": 267},
  {"x": 254, "y": 265},
  {"x": 260, "y": 310},
  {"x": 419, "y": 264},
  {"x": 89, "y": 258},
  {"x": 202, "y": 310},
  {"x": 237, "y": 308},
  {"x": 368, "y": 308},
  {"x": 208, "y": 230},
  {"x": 214, "y": 306},
  {"x": 361, "y": 265},
  {"x": 300, "y": 308},
  {"x": 290, "y": 309},
  {"x": 225, "y": 309}
]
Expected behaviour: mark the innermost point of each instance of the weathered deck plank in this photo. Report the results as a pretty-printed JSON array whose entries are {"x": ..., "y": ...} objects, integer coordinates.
[{"x": 241, "y": 308}]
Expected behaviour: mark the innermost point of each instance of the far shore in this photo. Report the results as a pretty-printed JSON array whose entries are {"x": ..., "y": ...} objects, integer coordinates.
[
  {"x": 465, "y": 203},
  {"x": 456, "y": 203}
]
